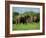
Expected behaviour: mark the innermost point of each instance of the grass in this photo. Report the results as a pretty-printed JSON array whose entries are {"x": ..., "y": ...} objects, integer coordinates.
[{"x": 28, "y": 26}]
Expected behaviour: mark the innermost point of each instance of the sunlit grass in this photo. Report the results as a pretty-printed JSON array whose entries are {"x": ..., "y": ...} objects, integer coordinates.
[{"x": 28, "y": 26}]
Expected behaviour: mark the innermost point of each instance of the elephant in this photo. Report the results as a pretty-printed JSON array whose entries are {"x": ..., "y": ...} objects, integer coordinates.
[
  {"x": 17, "y": 19},
  {"x": 29, "y": 20}
]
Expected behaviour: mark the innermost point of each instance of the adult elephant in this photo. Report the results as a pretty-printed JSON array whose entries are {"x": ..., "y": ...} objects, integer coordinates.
[
  {"x": 29, "y": 19},
  {"x": 20, "y": 19},
  {"x": 17, "y": 19}
]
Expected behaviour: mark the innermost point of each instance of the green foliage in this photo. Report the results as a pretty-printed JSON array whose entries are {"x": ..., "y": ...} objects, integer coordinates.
[
  {"x": 30, "y": 13},
  {"x": 15, "y": 14}
]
